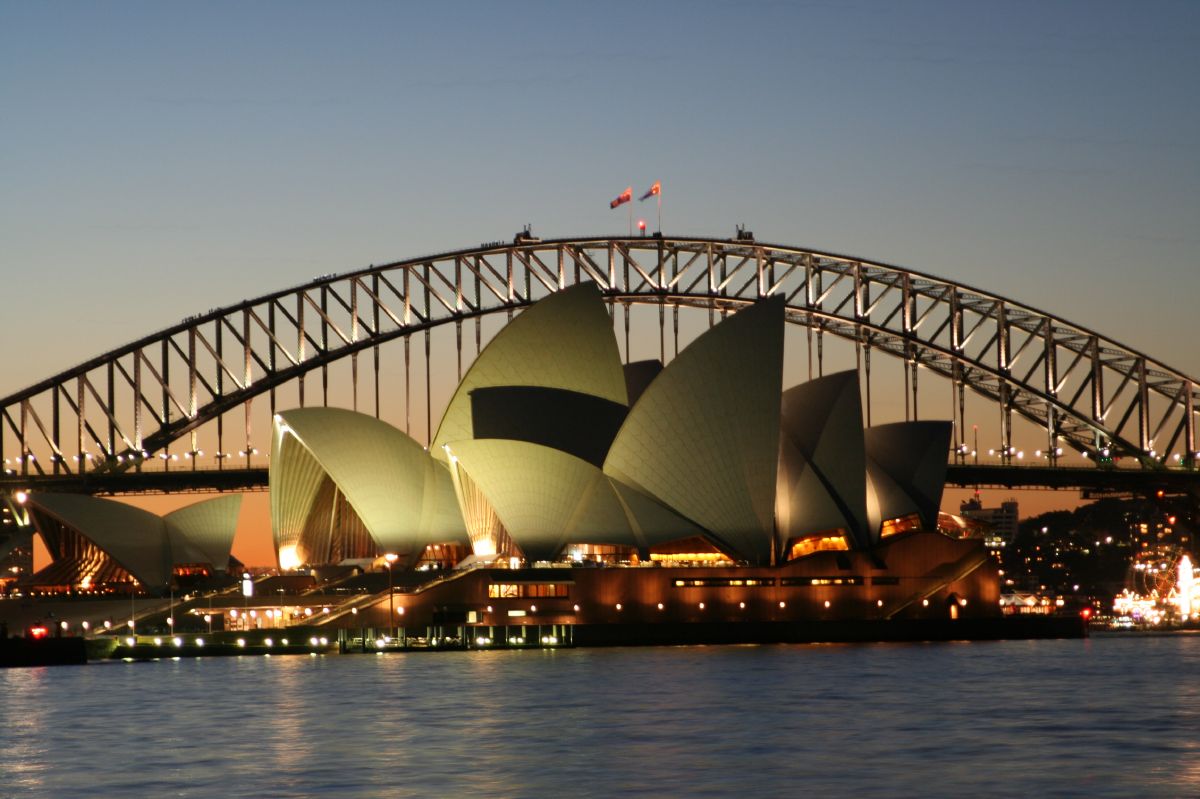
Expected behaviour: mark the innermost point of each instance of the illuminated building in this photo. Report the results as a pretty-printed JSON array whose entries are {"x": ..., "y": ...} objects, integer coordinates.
[
  {"x": 16, "y": 557},
  {"x": 771, "y": 504},
  {"x": 102, "y": 546},
  {"x": 1002, "y": 521}
]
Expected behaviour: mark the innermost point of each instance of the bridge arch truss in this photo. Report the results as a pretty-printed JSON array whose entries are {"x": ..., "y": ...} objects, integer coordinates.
[{"x": 1088, "y": 393}]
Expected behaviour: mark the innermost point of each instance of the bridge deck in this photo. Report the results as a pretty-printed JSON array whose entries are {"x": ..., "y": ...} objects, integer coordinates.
[{"x": 1171, "y": 481}]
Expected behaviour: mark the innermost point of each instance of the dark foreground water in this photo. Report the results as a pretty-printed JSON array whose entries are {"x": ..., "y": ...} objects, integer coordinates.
[{"x": 1105, "y": 717}]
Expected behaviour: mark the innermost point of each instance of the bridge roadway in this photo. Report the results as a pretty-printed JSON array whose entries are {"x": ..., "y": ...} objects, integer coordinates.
[{"x": 1088, "y": 479}]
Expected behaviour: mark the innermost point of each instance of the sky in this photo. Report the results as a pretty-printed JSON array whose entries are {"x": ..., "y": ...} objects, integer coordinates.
[{"x": 159, "y": 160}]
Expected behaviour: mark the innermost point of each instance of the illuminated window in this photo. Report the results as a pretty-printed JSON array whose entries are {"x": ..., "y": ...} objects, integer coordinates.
[
  {"x": 600, "y": 553},
  {"x": 825, "y": 541},
  {"x": 689, "y": 551},
  {"x": 528, "y": 590},
  {"x": 902, "y": 525},
  {"x": 724, "y": 582},
  {"x": 810, "y": 581}
]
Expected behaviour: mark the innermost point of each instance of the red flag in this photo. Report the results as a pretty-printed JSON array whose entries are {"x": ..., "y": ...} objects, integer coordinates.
[
  {"x": 654, "y": 191},
  {"x": 622, "y": 198}
]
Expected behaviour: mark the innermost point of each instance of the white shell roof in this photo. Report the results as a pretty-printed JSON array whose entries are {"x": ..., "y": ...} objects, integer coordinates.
[
  {"x": 906, "y": 469},
  {"x": 703, "y": 438},
  {"x": 822, "y": 477},
  {"x": 203, "y": 532},
  {"x": 547, "y": 498},
  {"x": 403, "y": 496},
  {"x": 563, "y": 341},
  {"x": 142, "y": 543}
]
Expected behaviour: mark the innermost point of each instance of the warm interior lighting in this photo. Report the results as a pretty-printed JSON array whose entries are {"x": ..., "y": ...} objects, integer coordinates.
[
  {"x": 612, "y": 554},
  {"x": 289, "y": 558},
  {"x": 690, "y": 557},
  {"x": 903, "y": 524},
  {"x": 527, "y": 590},
  {"x": 689, "y": 550},
  {"x": 827, "y": 541}
]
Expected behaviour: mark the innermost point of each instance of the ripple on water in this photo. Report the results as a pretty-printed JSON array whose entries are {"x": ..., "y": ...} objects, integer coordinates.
[{"x": 1105, "y": 717}]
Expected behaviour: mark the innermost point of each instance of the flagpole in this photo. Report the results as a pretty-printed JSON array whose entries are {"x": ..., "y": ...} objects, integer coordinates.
[
  {"x": 630, "y": 204},
  {"x": 660, "y": 230}
]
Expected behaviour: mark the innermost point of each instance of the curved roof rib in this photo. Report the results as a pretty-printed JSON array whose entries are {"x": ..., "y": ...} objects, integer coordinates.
[
  {"x": 703, "y": 438},
  {"x": 822, "y": 466},
  {"x": 403, "y": 497},
  {"x": 295, "y": 477},
  {"x": 906, "y": 470},
  {"x": 136, "y": 539},
  {"x": 203, "y": 532},
  {"x": 563, "y": 341},
  {"x": 546, "y": 499}
]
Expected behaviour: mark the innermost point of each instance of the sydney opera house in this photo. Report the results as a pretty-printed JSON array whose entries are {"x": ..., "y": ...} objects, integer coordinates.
[
  {"x": 571, "y": 498},
  {"x": 566, "y": 490}
]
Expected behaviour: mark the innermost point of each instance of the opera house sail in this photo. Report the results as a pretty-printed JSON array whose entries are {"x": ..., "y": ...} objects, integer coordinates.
[{"x": 101, "y": 545}]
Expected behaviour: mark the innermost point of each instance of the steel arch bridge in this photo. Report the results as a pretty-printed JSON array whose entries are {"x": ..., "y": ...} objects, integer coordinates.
[{"x": 109, "y": 415}]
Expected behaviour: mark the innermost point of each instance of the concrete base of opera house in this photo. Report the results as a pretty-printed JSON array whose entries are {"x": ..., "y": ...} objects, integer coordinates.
[
  {"x": 913, "y": 587},
  {"x": 70, "y": 651}
]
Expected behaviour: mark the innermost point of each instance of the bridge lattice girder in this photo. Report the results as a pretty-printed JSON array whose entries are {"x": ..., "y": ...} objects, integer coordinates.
[{"x": 1087, "y": 392}]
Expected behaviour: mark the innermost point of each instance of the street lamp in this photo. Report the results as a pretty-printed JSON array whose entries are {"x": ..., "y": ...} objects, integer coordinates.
[{"x": 389, "y": 559}]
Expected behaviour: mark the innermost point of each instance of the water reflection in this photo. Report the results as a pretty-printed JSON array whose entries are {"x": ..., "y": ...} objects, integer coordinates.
[
  {"x": 1110, "y": 716},
  {"x": 25, "y": 736}
]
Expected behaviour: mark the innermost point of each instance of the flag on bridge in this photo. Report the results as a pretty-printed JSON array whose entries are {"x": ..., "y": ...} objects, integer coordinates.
[
  {"x": 654, "y": 191},
  {"x": 622, "y": 198}
]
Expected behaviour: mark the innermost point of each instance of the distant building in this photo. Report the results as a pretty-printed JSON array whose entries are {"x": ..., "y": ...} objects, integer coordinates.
[
  {"x": 1002, "y": 520},
  {"x": 16, "y": 559},
  {"x": 1159, "y": 528}
]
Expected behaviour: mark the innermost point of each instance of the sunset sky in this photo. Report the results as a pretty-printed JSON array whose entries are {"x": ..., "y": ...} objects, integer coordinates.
[{"x": 160, "y": 160}]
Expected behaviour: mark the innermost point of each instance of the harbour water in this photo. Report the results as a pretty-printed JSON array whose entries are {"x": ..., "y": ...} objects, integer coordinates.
[{"x": 1108, "y": 716}]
